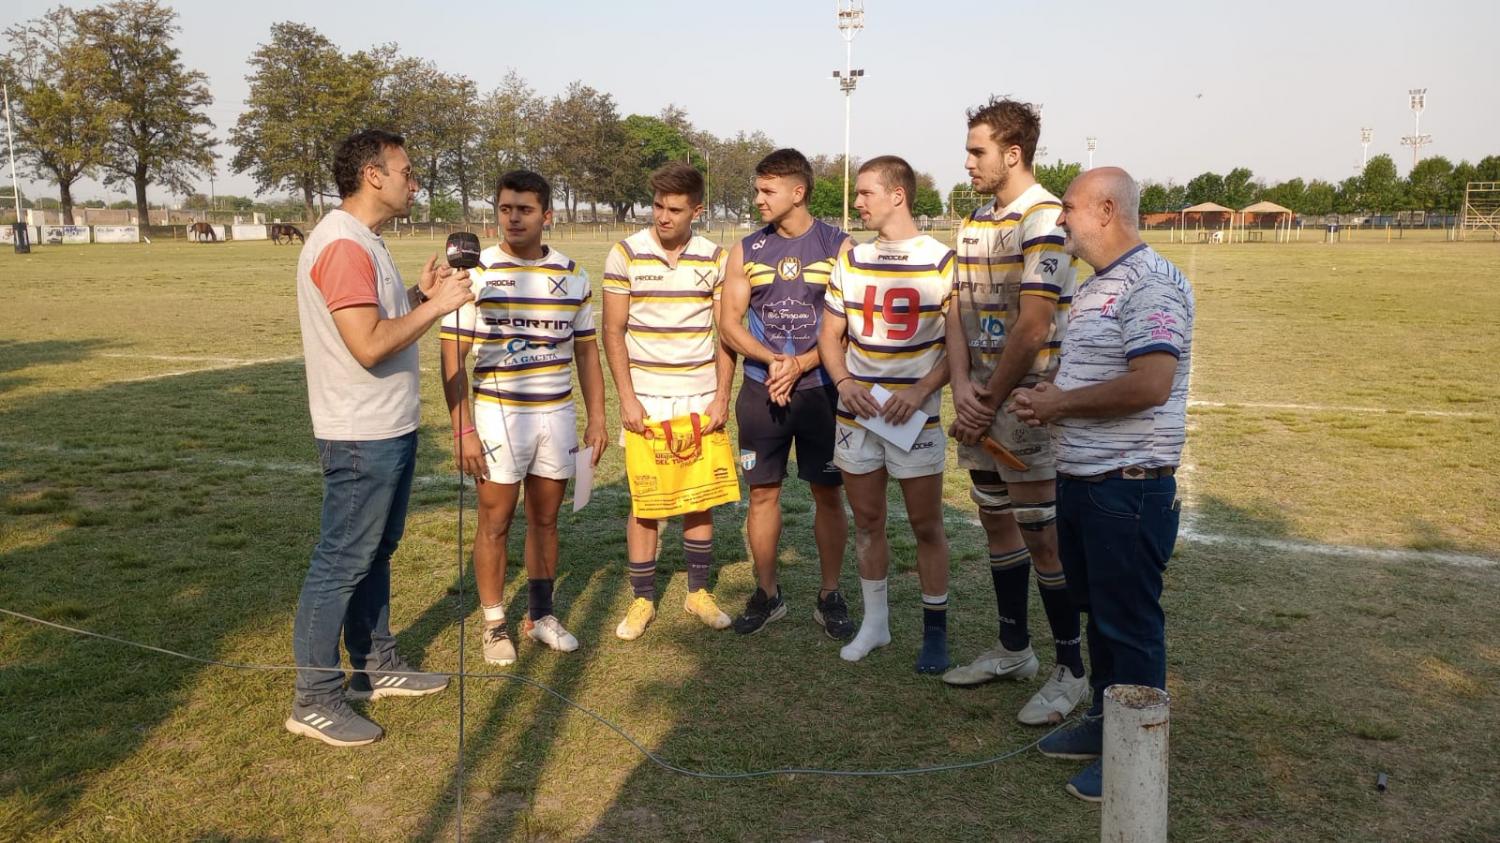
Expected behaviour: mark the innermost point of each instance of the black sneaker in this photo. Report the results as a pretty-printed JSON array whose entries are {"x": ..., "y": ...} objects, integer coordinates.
[
  {"x": 832, "y": 613},
  {"x": 400, "y": 681},
  {"x": 759, "y": 611},
  {"x": 333, "y": 723}
]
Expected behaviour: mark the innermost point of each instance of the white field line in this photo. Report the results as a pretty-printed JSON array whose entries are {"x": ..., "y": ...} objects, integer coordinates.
[
  {"x": 895, "y": 512},
  {"x": 235, "y": 364},
  {"x": 1336, "y": 408},
  {"x": 177, "y": 358}
]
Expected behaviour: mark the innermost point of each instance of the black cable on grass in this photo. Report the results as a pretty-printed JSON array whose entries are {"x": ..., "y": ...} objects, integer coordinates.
[{"x": 598, "y": 718}]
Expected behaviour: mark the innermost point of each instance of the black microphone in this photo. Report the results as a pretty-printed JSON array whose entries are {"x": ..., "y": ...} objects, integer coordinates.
[{"x": 463, "y": 250}]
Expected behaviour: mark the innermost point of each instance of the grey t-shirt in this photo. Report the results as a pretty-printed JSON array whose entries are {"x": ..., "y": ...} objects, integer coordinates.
[{"x": 345, "y": 264}]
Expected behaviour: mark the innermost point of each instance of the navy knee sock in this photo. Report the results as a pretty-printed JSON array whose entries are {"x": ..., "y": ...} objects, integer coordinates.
[{"x": 1010, "y": 572}]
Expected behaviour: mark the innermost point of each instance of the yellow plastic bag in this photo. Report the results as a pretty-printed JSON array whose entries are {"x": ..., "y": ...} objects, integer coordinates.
[{"x": 676, "y": 468}]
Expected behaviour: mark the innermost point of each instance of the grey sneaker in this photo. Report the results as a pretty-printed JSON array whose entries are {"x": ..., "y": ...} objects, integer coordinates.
[
  {"x": 400, "y": 681},
  {"x": 335, "y": 724}
]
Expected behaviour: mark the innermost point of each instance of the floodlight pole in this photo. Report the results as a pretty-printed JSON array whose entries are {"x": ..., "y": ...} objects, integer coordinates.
[
  {"x": 10, "y": 144},
  {"x": 1416, "y": 140},
  {"x": 1366, "y": 135},
  {"x": 1093, "y": 144},
  {"x": 851, "y": 19}
]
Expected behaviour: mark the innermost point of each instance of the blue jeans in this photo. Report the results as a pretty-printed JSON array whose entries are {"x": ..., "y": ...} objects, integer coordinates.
[
  {"x": 366, "y": 486},
  {"x": 1114, "y": 537}
]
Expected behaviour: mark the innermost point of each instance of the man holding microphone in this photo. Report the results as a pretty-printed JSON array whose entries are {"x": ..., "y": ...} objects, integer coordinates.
[{"x": 360, "y": 325}]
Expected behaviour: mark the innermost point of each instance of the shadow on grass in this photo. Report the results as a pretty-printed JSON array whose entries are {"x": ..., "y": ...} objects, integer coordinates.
[
  {"x": 17, "y": 354},
  {"x": 179, "y": 512}
]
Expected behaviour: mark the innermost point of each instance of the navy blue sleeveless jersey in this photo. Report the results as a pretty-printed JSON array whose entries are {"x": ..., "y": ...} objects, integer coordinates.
[{"x": 788, "y": 278}]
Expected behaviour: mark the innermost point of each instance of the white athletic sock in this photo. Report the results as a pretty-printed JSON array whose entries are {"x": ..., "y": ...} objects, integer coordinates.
[
  {"x": 875, "y": 626},
  {"x": 493, "y": 613}
]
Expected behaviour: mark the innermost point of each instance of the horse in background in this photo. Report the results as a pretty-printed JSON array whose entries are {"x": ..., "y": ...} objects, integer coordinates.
[
  {"x": 200, "y": 231},
  {"x": 282, "y": 231}
]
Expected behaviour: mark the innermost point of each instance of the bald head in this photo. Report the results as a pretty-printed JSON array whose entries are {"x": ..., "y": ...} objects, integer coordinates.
[
  {"x": 1101, "y": 213},
  {"x": 1115, "y": 186}
]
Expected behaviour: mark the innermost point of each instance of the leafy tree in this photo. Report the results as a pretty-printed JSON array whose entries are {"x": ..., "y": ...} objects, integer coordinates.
[
  {"x": 825, "y": 202},
  {"x": 1057, "y": 177},
  {"x": 507, "y": 118},
  {"x": 1427, "y": 185},
  {"x": 1488, "y": 168},
  {"x": 61, "y": 126},
  {"x": 1287, "y": 194},
  {"x": 161, "y": 135},
  {"x": 432, "y": 110},
  {"x": 962, "y": 200},
  {"x": 305, "y": 97},
  {"x": 580, "y": 132},
  {"x": 1206, "y": 187},
  {"x": 1240, "y": 188},
  {"x": 1153, "y": 198},
  {"x": 649, "y": 142},
  {"x": 1458, "y": 183},
  {"x": 734, "y": 182},
  {"x": 1380, "y": 189},
  {"x": 1319, "y": 199},
  {"x": 1346, "y": 198}
]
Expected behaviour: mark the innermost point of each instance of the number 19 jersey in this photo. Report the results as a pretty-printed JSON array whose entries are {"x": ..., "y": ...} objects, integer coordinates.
[{"x": 894, "y": 295}]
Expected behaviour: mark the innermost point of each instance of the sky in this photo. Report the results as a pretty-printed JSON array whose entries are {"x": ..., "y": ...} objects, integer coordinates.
[{"x": 1169, "y": 89}]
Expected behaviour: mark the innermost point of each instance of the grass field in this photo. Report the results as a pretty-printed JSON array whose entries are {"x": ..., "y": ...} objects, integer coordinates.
[{"x": 158, "y": 482}]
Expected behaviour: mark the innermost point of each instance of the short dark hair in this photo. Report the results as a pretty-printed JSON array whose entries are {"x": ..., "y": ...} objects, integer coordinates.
[
  {"x": 677, "y": 178},
  {"x": 894, "y": 172},
  {"x": 789, "y": 163},
  {"x": 525, "y": 181},
  {"x": 1011, "y": 123},
  {"x": 358, "y": 151}
]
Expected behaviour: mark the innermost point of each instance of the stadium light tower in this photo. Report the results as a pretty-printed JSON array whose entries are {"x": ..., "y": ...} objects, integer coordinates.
[
  {"x": 1093, "y": 144},
  {"x": 1366, "y": 134},
  {"x": 851, "y": 18},
  {"x": 1416, "y": 140}
]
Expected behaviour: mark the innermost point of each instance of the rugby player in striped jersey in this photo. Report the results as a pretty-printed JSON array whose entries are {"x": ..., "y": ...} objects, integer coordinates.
[
  {"x": 661, "y": 303},
  {"x": 1015, "y": 288},
  {"x": 531, "y": 324},
  {"x": 887, "y": 299}
]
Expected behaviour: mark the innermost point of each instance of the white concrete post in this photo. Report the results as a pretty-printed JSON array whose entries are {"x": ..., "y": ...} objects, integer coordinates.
[{"x": 1137, "y": 720}]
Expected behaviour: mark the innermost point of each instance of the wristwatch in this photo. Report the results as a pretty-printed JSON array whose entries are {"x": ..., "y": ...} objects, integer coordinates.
[{"x": 422, "y": 297}]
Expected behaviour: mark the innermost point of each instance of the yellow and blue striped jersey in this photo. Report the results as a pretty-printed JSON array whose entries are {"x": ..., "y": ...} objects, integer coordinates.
[
  {"x": 894, "y": 295},
  {"x": 524, "y": 321},
  {"x": 1004, "y": 254},
  {"x": 669, "y": 334}
]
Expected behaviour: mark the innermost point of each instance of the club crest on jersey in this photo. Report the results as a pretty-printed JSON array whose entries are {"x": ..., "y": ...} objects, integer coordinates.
[
  {"x": 789, "y": 268},
  {"x": 705, "y": 277},
  {"x": 747, "y": 460},
  {"x": 559, "y": 286}
]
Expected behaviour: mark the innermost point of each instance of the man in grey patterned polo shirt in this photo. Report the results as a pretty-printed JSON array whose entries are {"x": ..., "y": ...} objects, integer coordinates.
[{"x": 1117, "y": 409}]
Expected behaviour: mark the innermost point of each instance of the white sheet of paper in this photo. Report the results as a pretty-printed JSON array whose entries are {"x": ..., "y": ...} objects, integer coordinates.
[
  {"x": 583, "y": 478},
  {"x": 900, "y": 435}
]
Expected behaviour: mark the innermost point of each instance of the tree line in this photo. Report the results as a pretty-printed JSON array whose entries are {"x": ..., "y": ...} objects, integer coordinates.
[
  {"x": 1435, "y": 186},
  {"x": 103, "y": 93}
]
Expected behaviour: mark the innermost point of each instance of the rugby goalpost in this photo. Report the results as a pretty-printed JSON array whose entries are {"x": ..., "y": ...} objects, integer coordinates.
[{"x": 1481, "y": 209}]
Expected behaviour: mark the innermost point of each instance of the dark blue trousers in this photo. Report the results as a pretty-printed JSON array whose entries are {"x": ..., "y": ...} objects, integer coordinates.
[{"x": 1114, "y": 537}]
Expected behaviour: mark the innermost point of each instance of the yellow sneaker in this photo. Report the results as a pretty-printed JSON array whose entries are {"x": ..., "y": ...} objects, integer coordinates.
[
  {"x": 641, "y": 612},
  {"x": 702, "y": 604}
]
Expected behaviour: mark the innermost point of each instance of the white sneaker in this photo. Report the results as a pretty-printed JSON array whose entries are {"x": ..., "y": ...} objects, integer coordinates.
[
  {"x": 995, "y": 663},
  {"x": 1056, "y": 700},
  {"x": 549, "y": 630}
]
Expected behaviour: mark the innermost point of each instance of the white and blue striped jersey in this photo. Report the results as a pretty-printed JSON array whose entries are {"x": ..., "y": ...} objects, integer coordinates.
[{"x": 1137, "y": 305}]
